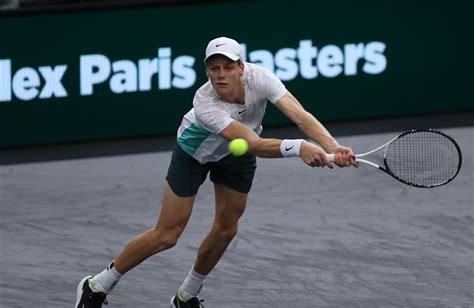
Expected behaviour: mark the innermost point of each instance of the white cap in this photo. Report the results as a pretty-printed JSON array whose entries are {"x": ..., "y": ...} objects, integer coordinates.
[{"x": 224, "y": 46}]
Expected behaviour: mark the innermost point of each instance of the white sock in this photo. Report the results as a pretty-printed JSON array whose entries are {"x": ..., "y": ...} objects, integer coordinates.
[
  {"x": 106, "y": 280},
  {"x": 191, "y": 286}
]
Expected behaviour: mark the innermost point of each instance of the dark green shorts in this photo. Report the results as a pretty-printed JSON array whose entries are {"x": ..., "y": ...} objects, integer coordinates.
[{"x": 185, "y": 174}]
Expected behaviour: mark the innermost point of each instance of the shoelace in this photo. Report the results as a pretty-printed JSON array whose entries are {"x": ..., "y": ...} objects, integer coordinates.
[
  {"x": 195, "y": 303},
  {"x": 98, "y": 299}
]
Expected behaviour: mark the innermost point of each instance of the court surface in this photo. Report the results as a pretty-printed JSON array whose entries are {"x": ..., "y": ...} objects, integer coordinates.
[{"x": 309, "y": 237}]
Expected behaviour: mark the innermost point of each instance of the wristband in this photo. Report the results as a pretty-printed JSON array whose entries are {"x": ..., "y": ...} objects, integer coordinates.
[{"x": 291, "y": 147}]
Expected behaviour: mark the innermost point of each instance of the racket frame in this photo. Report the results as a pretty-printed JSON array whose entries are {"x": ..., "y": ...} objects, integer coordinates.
[{"x": 387, "y": 170}]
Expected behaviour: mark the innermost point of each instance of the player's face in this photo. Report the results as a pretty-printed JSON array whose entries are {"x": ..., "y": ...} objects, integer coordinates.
[{"x": 225, "y": 75}]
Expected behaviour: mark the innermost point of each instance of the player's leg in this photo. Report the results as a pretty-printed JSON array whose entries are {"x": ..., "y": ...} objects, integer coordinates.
[
  {"x": 173, "y": 218},
  {"x": 185, "y": 175},
  {"x": 230, "y": 205},
  {"x": 174, "y": 215},
  {"x": 232, "y": 179}
]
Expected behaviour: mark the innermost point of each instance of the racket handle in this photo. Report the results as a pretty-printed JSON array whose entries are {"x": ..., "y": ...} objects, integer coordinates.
[{"x": 331, "y": 157}]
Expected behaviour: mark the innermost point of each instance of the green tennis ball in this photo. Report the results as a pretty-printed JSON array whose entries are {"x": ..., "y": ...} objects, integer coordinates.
[{"x": 238, "y": 147}]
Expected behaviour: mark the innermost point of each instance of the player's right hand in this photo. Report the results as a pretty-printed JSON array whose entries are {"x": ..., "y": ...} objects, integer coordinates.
[
  {"x": 314, "y": 156},
  {"x": 344, "y": 157}
]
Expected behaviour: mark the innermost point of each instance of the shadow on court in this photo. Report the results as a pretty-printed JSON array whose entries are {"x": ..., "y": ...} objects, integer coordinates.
[{"x": 309, "y": 237}]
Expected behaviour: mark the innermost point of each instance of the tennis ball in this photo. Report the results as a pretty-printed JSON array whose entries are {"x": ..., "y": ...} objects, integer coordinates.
[{"x": 238, "y": 147}]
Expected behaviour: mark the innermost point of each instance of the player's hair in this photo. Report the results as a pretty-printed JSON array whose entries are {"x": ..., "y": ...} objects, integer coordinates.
[{"x": 238, "y": 61}]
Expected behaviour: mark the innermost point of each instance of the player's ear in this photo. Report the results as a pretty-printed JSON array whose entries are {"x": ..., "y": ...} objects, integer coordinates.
[{"x": 242, "y": 67}]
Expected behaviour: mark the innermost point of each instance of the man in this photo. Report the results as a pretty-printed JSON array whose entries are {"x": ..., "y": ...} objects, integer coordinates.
[{"x": 230, "y": 105}]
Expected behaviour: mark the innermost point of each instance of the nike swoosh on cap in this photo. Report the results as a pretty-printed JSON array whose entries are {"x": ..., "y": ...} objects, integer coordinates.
[{"x": 219, "y": 45}]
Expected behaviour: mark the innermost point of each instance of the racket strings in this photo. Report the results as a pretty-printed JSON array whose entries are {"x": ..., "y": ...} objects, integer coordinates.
[{"x": 423, "y": 158}]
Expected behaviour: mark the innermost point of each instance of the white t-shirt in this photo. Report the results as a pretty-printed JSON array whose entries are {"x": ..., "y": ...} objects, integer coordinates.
[{"x": 198, "y": 134}]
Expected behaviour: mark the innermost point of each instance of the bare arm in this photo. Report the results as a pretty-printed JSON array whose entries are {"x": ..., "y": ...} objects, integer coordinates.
[
  {"x": 311, "y": 154},
  {"x": 262, "y": 147},
  {"x": 306, "y": 122},
  {"x": 312, "y": 128}
]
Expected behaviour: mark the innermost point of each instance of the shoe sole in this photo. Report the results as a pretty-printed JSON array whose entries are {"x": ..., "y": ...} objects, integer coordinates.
[
  {"x": 172, "y": 302},
  {"x": 79, "y": 290}
]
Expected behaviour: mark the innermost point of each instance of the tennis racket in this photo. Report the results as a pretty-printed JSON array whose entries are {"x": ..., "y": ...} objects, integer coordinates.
[{"x": 421, "y": 157}]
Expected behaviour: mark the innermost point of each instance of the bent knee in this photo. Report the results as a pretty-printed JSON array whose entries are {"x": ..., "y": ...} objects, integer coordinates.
[
  {"x": 163, "y": 240},
  {"x": 227, "y": 233},
  {"x": 168, "y": 242}
]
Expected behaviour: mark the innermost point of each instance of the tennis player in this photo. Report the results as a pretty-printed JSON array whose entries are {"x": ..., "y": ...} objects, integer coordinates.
[{"x": 230, "y": 105}]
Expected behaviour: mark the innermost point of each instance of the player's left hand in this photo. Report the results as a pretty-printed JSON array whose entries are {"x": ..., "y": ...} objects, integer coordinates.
[{"x": 344, "y": 157}]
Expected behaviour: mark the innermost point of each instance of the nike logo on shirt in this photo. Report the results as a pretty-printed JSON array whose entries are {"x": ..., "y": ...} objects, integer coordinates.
[{"x": 242, "y": 111}]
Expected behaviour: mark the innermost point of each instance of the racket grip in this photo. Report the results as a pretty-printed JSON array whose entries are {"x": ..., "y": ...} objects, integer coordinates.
[{"x": 330, "y": 157}]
